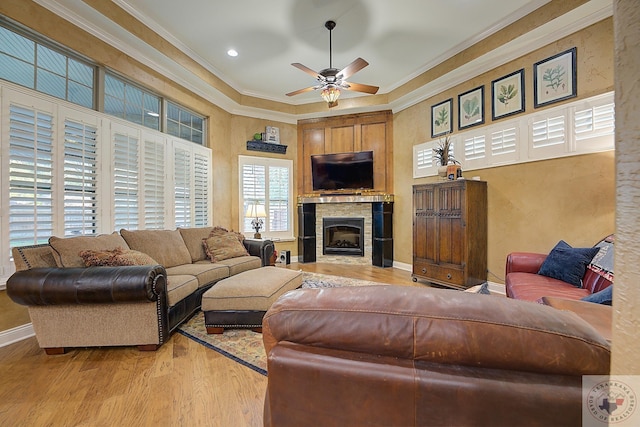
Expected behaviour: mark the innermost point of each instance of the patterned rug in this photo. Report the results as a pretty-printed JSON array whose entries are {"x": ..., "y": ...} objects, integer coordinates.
[{"x": 245, "y": 346}]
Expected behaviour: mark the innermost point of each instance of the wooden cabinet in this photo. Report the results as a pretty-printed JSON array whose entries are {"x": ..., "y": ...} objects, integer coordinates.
[
  {"x": 450, "y": 233},
  {"x": 347, "y": 134}
]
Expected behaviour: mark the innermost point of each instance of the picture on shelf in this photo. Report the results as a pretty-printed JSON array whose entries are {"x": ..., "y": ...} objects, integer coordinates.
[{"x": 272, "y": 135}]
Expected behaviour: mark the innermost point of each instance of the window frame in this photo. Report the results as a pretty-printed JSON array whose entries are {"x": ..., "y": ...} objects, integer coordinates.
[{"x": 265, "y": 231}]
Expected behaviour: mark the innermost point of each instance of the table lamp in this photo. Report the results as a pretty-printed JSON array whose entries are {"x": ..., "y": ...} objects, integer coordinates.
[{"x": 256, "y": 212}]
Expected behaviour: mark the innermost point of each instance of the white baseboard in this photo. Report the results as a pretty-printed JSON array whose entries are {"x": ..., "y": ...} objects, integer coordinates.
[
  {"x": 16, "y": 334},
  {"x": 402, "y": 266}
]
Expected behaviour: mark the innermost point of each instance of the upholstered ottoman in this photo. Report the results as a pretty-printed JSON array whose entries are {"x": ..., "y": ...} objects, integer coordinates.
[{"x": 241, "y": 301}]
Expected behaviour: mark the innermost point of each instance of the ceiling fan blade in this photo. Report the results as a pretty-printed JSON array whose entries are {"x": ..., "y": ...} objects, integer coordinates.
[
  {"x": 307, "y": 89},
  {"x": 308, "y": 70},
  {"x": 360, "y": 87},
  {"x": 352, "y": 68}
]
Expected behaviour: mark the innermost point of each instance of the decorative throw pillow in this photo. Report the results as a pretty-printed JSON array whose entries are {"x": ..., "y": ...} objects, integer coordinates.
[
  {"x": 604, "y": 296},
  {"x": 114, "y": 258},
  {"x": 220, "y": 231},
  {"x": 567, "y": 264},
  {"x": 66, "y": 249},
  {"x": 223, "y": 247}
]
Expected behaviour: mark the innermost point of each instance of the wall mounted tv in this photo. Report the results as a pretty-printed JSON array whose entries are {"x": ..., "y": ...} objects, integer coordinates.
[{"x": 342, "y": 171}]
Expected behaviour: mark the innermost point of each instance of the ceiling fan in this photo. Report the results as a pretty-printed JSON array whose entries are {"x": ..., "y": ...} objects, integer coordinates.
[{"x": 331, "y": 80}]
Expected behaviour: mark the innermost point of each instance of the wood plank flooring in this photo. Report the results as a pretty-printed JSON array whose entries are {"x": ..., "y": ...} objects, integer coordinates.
[{"x": 181, "y": 384}]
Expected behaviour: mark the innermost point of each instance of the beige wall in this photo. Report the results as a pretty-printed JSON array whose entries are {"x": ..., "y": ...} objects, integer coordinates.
[{"x": 531, "y": 205}]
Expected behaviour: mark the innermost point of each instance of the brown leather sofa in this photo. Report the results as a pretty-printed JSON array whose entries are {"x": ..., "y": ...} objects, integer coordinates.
[{"x": 410, "y": 356}]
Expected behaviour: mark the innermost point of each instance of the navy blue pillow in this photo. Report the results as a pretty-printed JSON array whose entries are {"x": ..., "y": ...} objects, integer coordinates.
[
  {"x": 567, "y": 264},
  {"x": 605, "y": 296}
]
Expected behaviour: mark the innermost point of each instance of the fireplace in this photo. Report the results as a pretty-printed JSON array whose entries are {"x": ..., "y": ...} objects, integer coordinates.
[{"x": 343, "y": 236}]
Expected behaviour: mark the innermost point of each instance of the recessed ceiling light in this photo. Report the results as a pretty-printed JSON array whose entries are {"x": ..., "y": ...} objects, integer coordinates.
[{"x": 232, "y": 52}]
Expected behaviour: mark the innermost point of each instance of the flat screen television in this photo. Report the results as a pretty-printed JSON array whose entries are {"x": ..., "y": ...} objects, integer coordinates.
[{"x": 342, "y": 171}]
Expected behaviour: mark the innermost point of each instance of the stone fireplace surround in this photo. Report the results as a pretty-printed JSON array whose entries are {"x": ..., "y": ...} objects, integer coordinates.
[{"x": 377, "y": 211}]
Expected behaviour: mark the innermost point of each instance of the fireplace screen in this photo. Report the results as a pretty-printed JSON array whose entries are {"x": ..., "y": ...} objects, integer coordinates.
[{"x": 343, "y": 236}]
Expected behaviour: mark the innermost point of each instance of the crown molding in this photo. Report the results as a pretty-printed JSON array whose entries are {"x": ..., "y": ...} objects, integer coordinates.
[
  {"x": 575, "y": 20},
  {"x": 552, "y": 31}
]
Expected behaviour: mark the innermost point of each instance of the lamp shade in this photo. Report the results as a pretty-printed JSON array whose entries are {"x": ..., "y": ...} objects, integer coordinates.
[
  {"x": 255, "y": 210},
  {"x": 330, "y": 94}
]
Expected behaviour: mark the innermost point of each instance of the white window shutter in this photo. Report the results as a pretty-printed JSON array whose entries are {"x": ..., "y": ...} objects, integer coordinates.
[
  {"x": 30, "y": 175},
  {"x": 154, "y": 179},
  {"x": 80, "y": 166},
  {"x": 182, "y": 187},
  {"x": 126, "y": 180}
]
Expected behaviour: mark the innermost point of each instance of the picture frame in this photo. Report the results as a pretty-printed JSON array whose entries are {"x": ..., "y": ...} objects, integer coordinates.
[
  {"x": 555, "y": 78},
  {"x": 442, "y": 118},
  {"x": 507, "y": 95},
  {"x": 471, "y": 108},
  {"x": 272, "y": 135}
]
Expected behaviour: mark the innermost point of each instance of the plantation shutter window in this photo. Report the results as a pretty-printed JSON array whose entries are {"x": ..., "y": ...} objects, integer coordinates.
[
  {"x": 182, "y": 187},
  {"x": 254, "y": 189},
  {"x": 201, "y": 190},
  {"x": 30, "y": 175},
  {"x": 154, "y": 183},
  {"x": 126, "y": 181},
  {"x": 80, "y": 178},
  {"x": 267, "y": 182},
  {"x": 278, "y": 198}
]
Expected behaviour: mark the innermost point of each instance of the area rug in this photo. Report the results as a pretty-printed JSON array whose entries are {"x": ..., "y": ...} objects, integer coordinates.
[{"x": 245, "y": 346}]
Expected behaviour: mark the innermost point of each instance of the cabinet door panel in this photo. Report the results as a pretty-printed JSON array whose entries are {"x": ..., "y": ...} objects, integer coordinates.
[
  {"x": 312, "y": 143},
  {"x": 342, "y": 140},
  {"x": 451, "y": 240},
  {"x": 374, "y": 139}
]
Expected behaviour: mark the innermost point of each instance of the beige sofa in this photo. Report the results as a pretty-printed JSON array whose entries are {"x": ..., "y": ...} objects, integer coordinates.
[{"x": 153, "y": 281}]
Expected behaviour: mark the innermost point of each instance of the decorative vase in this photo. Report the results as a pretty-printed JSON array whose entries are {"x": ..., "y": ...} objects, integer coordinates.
[{"x": 442, "y": 171}]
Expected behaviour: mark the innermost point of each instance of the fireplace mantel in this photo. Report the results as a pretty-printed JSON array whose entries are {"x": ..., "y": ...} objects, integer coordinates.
[{"x": 345, "y": 198}]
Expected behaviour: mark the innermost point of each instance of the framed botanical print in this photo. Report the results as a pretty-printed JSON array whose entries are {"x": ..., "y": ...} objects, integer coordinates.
[
  {"x": 442, "y": 118},
  {"x": 471, "y": 108},
  {"x": 507, "y": 95},
  {"x": 554, "y": 79}
]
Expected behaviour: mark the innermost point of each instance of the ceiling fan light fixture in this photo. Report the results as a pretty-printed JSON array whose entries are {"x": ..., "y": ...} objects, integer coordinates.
[{"x": 330, "y": 94}]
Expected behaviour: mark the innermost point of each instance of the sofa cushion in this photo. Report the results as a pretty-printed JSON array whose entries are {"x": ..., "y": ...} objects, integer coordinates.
[
  {"x": 193, "y": 240},
  {"x": 66, "y": 251},
  {"x": 532, "y": 287},
  {"x": 242, "y": 263},
  {"x": 34, "y": 256},
  {"x": 180, "y": 286},
  {"x": 115, "y": 258},
  {"x": 205, "y": 272},
  {"x": 225, "y": 246},
  {"x": 604, "y": 296},
  {"x": 165, "y": 246},
  {"x": 567, "y": 264}
]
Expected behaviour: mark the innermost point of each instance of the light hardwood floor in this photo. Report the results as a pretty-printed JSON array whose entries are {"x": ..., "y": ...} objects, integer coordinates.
[{"x": 181, "y": 384}]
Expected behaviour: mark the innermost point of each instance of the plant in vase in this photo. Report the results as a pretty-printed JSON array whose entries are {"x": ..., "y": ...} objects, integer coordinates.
[{"x": 443, "y": 155}]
